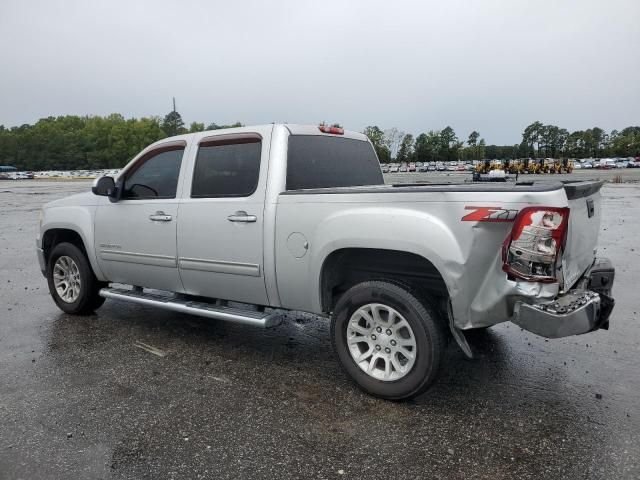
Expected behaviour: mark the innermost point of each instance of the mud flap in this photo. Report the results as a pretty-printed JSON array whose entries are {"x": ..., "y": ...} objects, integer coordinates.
[{"x": 458, "y": 334}]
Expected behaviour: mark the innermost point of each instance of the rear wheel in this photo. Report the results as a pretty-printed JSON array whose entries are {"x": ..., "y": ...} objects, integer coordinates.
[
  {"x": 72, "y": 284},
  {"x": 389, "y": 342}
]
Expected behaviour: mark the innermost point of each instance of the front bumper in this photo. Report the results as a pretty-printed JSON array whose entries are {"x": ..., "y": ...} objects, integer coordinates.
[{"x": 584, "y": 309}]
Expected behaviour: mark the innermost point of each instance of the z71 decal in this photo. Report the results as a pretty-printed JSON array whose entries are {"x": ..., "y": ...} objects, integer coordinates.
[{"x": 490, "y": 214}]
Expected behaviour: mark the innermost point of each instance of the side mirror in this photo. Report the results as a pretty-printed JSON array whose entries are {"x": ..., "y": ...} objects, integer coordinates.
[{"x": 104, "y": 186}]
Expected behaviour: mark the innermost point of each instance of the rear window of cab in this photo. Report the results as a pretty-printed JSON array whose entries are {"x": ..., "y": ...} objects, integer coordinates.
[{"x": 319, "y": 161}]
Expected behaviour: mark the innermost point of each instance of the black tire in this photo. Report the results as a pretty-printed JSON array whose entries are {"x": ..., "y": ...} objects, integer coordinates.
[
  {"x": 88, "y": 299},
  {"x": 428, "y": 329}
]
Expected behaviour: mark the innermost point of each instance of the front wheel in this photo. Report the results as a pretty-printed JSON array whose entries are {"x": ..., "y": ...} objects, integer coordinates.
[
  {"x": 389, "y": 342},
  {"x": 72, "y": 284}
]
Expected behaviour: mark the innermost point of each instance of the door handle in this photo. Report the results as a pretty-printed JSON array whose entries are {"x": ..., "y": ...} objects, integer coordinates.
[
  {"x": 160, "y": 217},
  {"x": 242, "y": 216}
]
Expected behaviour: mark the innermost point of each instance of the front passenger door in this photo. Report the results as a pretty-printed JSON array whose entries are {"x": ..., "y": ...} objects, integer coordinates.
[{"x": 135, "y": 238}]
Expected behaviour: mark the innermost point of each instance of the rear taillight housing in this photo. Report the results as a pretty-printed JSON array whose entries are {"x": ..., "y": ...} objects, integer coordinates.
[{"x": 533, "y": 249}]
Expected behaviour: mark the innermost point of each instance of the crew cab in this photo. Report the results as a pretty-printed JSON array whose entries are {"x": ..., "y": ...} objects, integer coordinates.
[{"x": 240, "y": 224}]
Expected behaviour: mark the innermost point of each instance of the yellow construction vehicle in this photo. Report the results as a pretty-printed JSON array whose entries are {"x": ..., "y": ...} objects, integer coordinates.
[
  {"x": 515, "y": 167},
  {"x": 484, "y": 166},
  {"x": 566, "y": 166}
]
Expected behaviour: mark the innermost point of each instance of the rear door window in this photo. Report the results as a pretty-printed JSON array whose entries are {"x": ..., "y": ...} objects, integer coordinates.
[
  {"x": 227, "y": 168},
  {"x": 318, "y": 161}
]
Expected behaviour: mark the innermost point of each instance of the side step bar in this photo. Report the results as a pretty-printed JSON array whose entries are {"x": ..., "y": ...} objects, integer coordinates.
[{"x": 202, "y": 309}]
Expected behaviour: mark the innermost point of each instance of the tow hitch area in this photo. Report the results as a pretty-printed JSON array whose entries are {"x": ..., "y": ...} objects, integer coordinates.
[
  {"x": 572, "y": 314},
  {"x": 578, "y": 311}
]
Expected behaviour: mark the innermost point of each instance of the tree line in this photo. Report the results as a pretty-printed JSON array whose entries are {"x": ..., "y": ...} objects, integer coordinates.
[
  {"x": 95, "y": 142},
  {"x": 538, "y": 141},
  {"x": 88, "y": 142}
]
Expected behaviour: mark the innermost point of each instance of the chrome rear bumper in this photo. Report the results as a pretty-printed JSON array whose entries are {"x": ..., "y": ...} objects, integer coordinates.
[{"x": 582, "y": 310}]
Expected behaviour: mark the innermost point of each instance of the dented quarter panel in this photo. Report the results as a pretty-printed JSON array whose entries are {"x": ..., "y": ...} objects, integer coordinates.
[{"x": 466, "y": 253}]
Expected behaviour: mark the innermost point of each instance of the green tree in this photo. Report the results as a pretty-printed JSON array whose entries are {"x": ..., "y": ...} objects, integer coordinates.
[
  {"x": 196, "y": 127},
  {"x": 473, "y": 139},
  {"x": 553, "y": 140},
  {"x": 482, "y": 149},
  {"x": 531, "y": 136},
  {"x": 405, "y": 151},
  {"x": 473, "y": 143},
  {"x": 428, "y": 146},
  {"x": 215, "y": 126},
  {"x": 597, "y": 138},
  {"x": 379, "y": 142},
  {"x": 173, "y": 124},
  {"x": 626, "y": 143},
  {"x": 449, "y": 144}
]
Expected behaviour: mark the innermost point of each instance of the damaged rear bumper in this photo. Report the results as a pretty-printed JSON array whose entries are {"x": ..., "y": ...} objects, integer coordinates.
[{"x": 581, "y": 310}]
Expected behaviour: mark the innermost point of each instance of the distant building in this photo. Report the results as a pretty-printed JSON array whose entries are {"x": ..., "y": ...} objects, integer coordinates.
[{"x": 7, "y": 168}]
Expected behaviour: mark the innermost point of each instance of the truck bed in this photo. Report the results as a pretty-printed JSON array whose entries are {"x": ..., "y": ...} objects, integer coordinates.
[{"x": 432, "y": 221}]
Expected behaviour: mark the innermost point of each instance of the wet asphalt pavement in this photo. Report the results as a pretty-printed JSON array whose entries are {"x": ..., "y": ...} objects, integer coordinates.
[{"x": 79, "y": 398}]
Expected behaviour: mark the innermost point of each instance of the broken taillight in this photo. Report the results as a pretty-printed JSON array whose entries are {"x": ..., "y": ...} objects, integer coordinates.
[{"x": 533, "y": 249}]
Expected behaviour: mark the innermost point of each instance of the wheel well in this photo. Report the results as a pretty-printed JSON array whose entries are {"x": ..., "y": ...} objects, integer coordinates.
[
  {"x": 58, "y": 235},
  {"x": 346, "y": 267}
]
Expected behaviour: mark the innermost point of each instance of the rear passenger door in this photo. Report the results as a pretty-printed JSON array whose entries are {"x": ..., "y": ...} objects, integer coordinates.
[{"x": 220, "y": 231}]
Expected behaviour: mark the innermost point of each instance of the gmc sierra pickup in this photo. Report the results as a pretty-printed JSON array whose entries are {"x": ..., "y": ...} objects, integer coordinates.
[{"x": 239, "y": 224}]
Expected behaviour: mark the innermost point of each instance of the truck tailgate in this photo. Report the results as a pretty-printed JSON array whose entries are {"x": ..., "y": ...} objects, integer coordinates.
[{"x": 584, "y": 225}]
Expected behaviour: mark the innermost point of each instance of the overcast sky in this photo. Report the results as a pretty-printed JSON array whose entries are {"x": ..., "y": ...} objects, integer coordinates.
[{"x": 493, "y": 66}]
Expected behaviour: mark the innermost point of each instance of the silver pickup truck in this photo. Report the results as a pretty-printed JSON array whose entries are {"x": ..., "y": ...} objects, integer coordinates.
[{"x": 240, "y": 224}]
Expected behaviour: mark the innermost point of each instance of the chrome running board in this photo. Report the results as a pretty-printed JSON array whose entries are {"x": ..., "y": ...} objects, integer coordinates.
[{"x": 217, "y": 310}]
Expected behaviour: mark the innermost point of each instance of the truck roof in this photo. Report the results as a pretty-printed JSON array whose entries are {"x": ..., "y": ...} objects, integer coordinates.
[{"x": 294, "y": 129}]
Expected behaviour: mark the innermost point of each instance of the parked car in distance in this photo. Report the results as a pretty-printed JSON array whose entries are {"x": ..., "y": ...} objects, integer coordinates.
[{"x": 21, "y": 175}]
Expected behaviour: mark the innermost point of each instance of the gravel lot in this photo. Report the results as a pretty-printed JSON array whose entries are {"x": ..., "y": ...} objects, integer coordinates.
[{"x": 80, "y": 399}]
